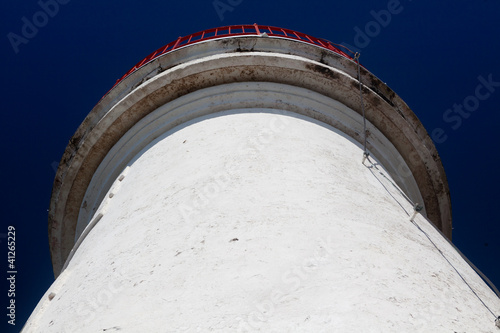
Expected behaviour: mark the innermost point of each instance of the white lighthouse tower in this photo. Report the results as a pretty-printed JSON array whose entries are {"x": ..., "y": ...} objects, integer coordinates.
[{"x": 253, "y": 178}]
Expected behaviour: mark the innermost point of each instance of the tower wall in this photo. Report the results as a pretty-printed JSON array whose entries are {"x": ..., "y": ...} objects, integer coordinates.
[{"x": 220, "y": 187}]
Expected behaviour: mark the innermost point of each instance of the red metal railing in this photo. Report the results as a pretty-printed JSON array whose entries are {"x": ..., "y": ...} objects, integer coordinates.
[{"x": 236, "y": 30}]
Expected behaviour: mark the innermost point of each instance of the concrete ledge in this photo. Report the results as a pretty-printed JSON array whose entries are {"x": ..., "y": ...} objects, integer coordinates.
[
  {"x": 253, "y": 97},
  {"x": 225, "y": 61}
]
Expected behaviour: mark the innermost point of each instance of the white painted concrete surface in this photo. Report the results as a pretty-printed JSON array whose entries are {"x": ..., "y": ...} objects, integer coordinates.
[
  {"x": 188, "y": 73},
  {"x": 220, "y": 188},
  {"x": 261, "y": 220},
  {"x": 237, "y": 96}
]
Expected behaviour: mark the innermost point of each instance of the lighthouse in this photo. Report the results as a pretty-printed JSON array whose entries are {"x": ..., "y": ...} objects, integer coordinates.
[{"x": 255, "y": 179}]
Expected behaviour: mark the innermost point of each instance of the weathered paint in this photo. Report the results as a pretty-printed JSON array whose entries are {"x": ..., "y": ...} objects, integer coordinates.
[
  {"x": 220, "y": 187},
  {"x": 219, "y": 62},
  {"x": 258, "y": 219}
]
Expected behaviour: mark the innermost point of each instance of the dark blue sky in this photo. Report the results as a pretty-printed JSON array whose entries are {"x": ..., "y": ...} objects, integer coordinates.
[{"x": 434, "y": 54}]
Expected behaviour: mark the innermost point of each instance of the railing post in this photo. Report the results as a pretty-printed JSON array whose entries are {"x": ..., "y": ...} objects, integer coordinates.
[
  {"x": 177, "y": 43},
  {"x": 256, "y": 28}
]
